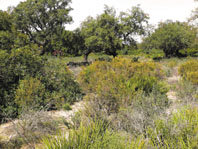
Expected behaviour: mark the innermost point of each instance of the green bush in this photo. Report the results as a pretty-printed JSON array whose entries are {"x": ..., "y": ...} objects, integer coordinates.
[
  {"x": 189, "y": 52},
  {"x": 30, "y": 94},
  {"x": 155, "y": 54},
  {"x": 27, "y": 79},
  {"x": 15, "y": 66},
  {"x": 59, "y": 83}
]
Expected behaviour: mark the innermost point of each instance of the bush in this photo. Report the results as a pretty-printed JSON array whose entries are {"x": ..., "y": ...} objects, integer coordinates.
[
  {"x": 155, "y": 54},
  {"x": 30, "y": 94},
  {"x": 35, "y": 81},
  {"x": 122, "y": 88},
  {"x": 187, "y": 93},
  {"x": 32, "y": 126},
  {"x": 59, "y": 83},
  {"x": 189, "y": 52},
  {"x": 136, "y": 76},
  {"x": 189, "y": 71},
  {"x": 118, "y": 81},
  {"x": 179, "y": 131},
  {"x": 14, "y": 67},
  {"x": 133, "y": 118}
]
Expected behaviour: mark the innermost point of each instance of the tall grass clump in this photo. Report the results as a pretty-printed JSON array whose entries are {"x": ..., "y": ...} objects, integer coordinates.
[
  {"x": 94, "y": 136},
  {"x": 179, "y": 131}
]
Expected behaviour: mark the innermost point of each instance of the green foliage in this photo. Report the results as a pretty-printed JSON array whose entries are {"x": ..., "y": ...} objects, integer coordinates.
[
  {"x": 67, "y": 107},
  {"x": 42, "y": 20},
  {"x": 5, "y": 21},
  {"x": 30, "y": 94},
  {"x": 193, "y": 52},
  {"x": 59, "y": 83},
  {"x": 189, "y": 71},
  {"x": 14, "y": 67},
  {"x": 10, "y": 38},
  {"x": 109, "y": 34},
  {"x": 28, "y": 81},
  {"x": 155, "y": 54},
  {"x": 6, "y": 40},
  {"x": 102, "y": 34},
  {"x": 179, "y": 131},
  {"x": 95, "y": 135},
  {"x": 125, "y": 73},
  {"x": 171, "y": 37},
  {"x": 116, "y": 83},
  {"x": 132, "y": 23},
  {"x": 72, "y": 43}
]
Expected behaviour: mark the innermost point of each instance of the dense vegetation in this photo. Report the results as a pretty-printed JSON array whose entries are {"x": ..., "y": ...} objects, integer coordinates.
[{"x": 135, "y": 95}]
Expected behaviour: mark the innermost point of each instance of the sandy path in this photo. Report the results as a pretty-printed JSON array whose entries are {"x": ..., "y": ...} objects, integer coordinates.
[{"x": 173, "y": 80}]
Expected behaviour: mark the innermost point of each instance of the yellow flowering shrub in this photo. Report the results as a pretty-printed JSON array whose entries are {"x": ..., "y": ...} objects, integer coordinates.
[
  {"x": 30, "y": 93},
  {"x": 189, "y": 71},
  {"x": 121, "y": 79}
]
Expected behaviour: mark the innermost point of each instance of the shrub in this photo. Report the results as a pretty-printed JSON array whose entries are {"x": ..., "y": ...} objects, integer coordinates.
[
  {"x": 134, "y": 117},
  {"x": 123, "y": 71},
  {"x": 122, "y": 88},
  {"x": 32, "y": 126},
  {"x": 189, "y": 71},
  {"x": 189, "y": 52},
  {"x": 155, "y": 54},
  {"x": 118, "y": 81},
  {"x": 30, "y": 94},
  {"x": 14, "y": 67},
  {"x": 59, "y": 83},
  {"x": 187, "y": 93}
]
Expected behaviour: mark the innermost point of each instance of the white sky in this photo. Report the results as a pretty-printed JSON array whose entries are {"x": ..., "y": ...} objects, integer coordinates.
[{"x": 158, "y": 10}]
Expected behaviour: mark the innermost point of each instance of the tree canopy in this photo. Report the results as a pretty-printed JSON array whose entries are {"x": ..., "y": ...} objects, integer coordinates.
[
  {"x": 170, "y": 37},
  {"x": 42, "y": 19},
  {"x": 108, "y": 33}
]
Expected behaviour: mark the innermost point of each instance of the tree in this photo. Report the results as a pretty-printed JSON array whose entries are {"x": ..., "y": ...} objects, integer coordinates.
[
  {"x": 102, "y": 34},
  {"x": 6, "y": 38},
  {"x": 109, "y": 33},
  {"x": 72, "y": 42},
  {"x": 133, "y": 23},
  {"x": 42, "y": 19},
  {"x": 5, "y": 21},
  {"x": 171, "y": 37}
]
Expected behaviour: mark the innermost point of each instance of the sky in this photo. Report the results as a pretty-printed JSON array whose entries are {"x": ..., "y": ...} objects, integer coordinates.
[{"x": 158, "y": 10}]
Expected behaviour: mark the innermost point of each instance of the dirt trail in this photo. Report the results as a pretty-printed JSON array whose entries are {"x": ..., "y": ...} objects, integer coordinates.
[{"x": 173, "y": 80}]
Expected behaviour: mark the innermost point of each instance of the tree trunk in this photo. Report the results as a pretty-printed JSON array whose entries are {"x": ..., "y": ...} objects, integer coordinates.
[{"x": 86, "y": 57}]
